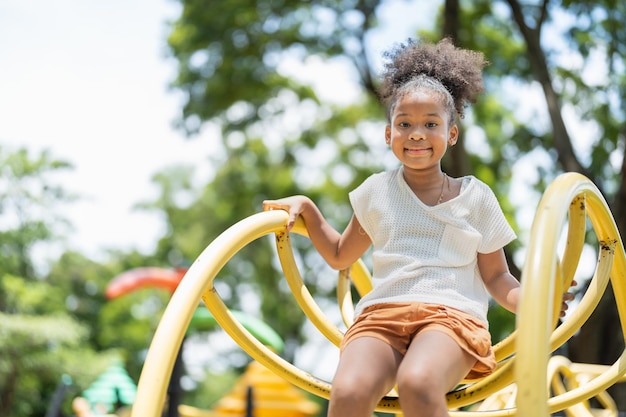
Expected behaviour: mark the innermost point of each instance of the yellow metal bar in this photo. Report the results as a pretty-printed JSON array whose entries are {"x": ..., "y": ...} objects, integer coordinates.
[
  {"x": 576, "y": 231},
  {"x": 301, "y": 292},
  {"x": 344, "y": 297},
  {"x": 168, "y": 337},
  {"x": 544, "y": 279},
  {"x": 537, "y": 303},
  {"x": 561, "y": 401},
  {"x": 589, "y": 302},
  {"x": 559, "y": 372},
  {"x": 260, "y": 352},
  {"x": 608, "y": 236},
  {"x": 358, "y": 275},
  {"x": 539, "y": 283}
]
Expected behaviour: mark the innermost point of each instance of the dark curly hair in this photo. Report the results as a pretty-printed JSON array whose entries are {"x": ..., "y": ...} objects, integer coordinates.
[{"x": 453, "y": 72}]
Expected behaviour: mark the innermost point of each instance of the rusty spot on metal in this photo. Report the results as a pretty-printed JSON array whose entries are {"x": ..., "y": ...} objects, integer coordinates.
[
  {"x": 608, "y": 246},
  {"x": 580, "y": 200}
]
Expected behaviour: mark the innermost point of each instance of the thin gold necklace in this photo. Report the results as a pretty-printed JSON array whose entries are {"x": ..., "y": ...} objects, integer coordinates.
[{"x": 443, "y": 182}]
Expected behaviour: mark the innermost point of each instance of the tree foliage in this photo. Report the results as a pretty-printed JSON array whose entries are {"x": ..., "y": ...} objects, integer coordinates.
[
  {"x": 555, "y": 102},
  {"x": 274, "y": 129},
  {"x": 28, "y": 197},
  {"x": 556, "y": 72},
  {"x": 40, "y": 338}
]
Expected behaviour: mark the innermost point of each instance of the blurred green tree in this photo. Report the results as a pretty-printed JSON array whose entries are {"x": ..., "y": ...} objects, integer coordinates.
[
  {"x": 39, "y": 341},
  {"x": 248, "y": 69},
  {"x": 28, "y": 200},
  {"x": 255, "y": 77}
]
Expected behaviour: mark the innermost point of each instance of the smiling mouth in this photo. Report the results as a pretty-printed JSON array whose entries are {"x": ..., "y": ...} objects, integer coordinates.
[{"x": 416, "y": 151}]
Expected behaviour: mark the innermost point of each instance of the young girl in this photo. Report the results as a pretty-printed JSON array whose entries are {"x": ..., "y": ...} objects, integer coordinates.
[{"x": 437, "y": 246}]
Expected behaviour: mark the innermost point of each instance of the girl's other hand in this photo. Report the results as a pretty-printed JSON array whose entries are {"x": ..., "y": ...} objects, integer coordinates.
[{"x": 567, "y": 297}]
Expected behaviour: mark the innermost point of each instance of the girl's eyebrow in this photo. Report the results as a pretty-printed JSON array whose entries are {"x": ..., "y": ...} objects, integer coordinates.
[{"x": 433, "y": 114}]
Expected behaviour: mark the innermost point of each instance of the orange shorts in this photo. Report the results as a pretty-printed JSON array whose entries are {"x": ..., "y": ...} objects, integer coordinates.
[{"x": 397, "y": 324}]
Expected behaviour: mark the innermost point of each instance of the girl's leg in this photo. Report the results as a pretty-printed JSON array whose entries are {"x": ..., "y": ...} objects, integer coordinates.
[
  {"x": 366, "y": 372},
  {"x": 433, "y": 365}
]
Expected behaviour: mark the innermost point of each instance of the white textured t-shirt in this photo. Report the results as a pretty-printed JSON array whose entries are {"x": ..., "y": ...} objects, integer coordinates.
[{"x": 427, "y": 253}]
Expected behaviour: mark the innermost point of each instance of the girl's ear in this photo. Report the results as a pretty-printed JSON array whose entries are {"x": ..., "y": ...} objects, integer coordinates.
[
  {"x": 453, "y": 135},
  {"x": 387, "y": 134}
]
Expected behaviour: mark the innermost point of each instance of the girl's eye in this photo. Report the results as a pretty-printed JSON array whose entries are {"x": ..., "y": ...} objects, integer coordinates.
[
  {"x": 431, "y": 124},
  {"x": 403, "y": 124}
]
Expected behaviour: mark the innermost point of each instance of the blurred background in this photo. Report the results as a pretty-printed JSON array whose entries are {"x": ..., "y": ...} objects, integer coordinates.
[{"x": 134, "y": 133}]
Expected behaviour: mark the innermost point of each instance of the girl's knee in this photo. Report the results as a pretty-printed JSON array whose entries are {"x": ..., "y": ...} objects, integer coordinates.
[
  {"x": 358, "y": 389},
  {"x": 427, "y": 387},
  {"x": 416, "y": 384},
  {"x": 420, "y": 394},
  {"x": 351, "y": 387},
  {"x": 344, "y": 388},
  {"x": 353, "y": 397}
]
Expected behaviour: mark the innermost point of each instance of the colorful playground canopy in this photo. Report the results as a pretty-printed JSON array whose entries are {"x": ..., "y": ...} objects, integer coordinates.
[{"x": 113, "y": 388}]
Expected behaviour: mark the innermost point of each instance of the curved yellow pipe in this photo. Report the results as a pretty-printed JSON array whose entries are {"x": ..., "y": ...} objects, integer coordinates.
[
  {"x": 538, "y": 296},
  {"x": 543, "y": 281},
  {"x": 169, "y": 334}
]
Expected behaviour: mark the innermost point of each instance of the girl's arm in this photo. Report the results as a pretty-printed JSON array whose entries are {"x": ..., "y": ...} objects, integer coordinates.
[
  {"x": 502, "y": 285},
  {"x": 339, "y": 250}
]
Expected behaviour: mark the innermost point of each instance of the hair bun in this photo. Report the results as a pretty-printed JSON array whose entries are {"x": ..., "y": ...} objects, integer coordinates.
[{"x": 458, "y": 70}]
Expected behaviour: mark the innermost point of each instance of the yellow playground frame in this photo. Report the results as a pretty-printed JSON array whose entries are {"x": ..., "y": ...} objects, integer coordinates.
[{"x": 523, "y": 357}]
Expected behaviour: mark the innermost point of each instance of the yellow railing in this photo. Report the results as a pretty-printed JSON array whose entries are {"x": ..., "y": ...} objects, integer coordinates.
[{"x": 522, "y": 357}]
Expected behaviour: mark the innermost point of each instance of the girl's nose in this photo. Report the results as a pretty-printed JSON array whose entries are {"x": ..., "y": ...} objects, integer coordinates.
[{"x": 416, "y": 134}]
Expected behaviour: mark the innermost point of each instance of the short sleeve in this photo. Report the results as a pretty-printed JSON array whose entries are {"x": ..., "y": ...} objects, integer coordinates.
[
  {"x": 359, "y": 199},
  {"x": 491, "y": 222}
]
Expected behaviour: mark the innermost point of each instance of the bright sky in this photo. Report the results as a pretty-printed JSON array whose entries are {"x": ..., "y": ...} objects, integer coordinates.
[{"x": 88, "y": 81}]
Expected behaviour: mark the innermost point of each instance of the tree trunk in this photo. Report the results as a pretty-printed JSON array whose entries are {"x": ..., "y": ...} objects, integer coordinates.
[
  {"x": 539, "y": 67},
  {"x": 456, "y": 162},
  {"x": 600, "y": 340}
]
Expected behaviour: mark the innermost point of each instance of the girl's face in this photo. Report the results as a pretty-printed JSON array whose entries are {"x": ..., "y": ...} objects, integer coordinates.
[{"x": 420, "y": 130}]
